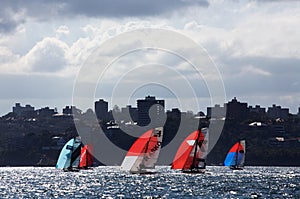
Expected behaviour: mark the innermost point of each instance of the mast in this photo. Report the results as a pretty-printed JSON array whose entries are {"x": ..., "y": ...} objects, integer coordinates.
[
  {"x": 195, "y": 153},
  {"x": 133, "y": 160},
  {"x": 86, "y": 157},
  {"x": 152, "y": 148},
  {"x": 145, "y": 151},
  {"x": 237, "y": 154},
  {"x": 75, "y": 155}
]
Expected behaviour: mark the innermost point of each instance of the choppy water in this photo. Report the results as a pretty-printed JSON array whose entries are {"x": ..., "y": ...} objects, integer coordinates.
[{"x": 109, "y": 182}]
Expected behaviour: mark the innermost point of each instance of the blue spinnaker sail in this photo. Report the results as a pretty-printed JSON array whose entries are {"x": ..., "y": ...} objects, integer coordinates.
[
  {"x": 236, "y": 155},
  {"x": 69, "y": 155},
  {"x": 64, "y": 159},
  {"x": 232, "y": 160}
]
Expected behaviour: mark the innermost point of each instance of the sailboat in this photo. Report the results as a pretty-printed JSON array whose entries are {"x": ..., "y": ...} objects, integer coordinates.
[
  {"x": 191, "y": 155},
  {"x": 236, "y": 156},
  {"x": 86, "y": 157},
  {"x": 69, "y": 159},
  {"x": 143, "y": 154}
]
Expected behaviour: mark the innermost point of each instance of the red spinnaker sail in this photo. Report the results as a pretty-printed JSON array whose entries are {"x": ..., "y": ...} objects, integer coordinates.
[
  {"x": 143, "y": 153},
  {"x": 86, "y": 157},
  {"x": 236, "y": 148},
  {"x": 184, "y": 151},
  {"x": 184, "y": 156},
  {"x": 139, "y": 145}
]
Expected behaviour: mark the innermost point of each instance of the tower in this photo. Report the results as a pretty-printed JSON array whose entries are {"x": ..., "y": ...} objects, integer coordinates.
[{"x": 150, "y": 106}]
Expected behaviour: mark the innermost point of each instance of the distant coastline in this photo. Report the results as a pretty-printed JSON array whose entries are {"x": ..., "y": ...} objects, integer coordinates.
[{"x": 35, "y": 137}]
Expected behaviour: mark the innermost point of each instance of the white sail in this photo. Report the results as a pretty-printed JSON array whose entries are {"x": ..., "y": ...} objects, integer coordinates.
[
  {"x": 144, "y": 152},
  {"x": 153, "y": 149},
  {"x": 243, "y": 143}
]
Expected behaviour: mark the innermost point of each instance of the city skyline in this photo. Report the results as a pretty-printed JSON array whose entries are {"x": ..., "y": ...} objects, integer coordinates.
[
  {"x": 254, "y": 44},
  {"x": 248, "y": 106}
]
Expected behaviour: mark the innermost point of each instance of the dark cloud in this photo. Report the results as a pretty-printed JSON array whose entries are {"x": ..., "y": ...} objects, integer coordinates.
[
  {"x": 121, "y": 8},
  {"x": 47, "y": 10},
  {"x": 262, "y": 1},
  {"x": 284, "y": 67},
  {"x": 283, "y": 76},
  {"x": 8, "y": 22},
  {"x": 7, "y": 25}
]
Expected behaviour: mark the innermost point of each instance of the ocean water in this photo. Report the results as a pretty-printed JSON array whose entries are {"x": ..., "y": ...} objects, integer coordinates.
[{"x": 110, "y": 182}]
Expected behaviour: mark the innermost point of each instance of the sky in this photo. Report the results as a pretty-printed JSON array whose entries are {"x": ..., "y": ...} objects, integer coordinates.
[{"x": 255, "y": 46}]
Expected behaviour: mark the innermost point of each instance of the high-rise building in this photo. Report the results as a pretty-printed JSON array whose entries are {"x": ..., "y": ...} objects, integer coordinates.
[
  {"x": 46, "y": 112},
  {"x": 150, "y": 106},
  {"x": 257, "y": 109},
  {"x": 101, "y": 109},
  {"x": 257, "y": 112},
  {"x": 71, "y": 110},
  {"x": 129, "y": 113},
  {"x": 23, "y": 111},
  {"x": 237, "y": 110},
  {"x": 216, "y": 112},
  {"x": 276, "y": 112},
  {"x": 175, "y": 113}
]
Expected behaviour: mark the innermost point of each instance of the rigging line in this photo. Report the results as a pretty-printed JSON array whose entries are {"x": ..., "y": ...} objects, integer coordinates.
[
  {"x": 146, "y": 147},
  {"x": 195, "y": 153},
  {"x": 236, "y": 155}
]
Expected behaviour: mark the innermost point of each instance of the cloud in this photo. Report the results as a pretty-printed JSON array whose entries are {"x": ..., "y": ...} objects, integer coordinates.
[
  {"x": 9, "y": 62},
  {"x": 254, "y": 44},
  {"x": 60, "y": 55},
  {"x": 63, "y": 30},
  {"x": 48, "y": 55},
  {"x": 35, "y": 86},
  {"x": 272, "y": 35},
  {"x": 9, "y": 20},
  {"x": 256, "y": 71},
  {"x": 284, "y": 67},
  {"x": 37, "y": 90},
  {"x": 6, "y": 55},
  {"x": 14, "y": 13},
  {"x": 121, "y": 8},
  {"x": 249, "y": 29},
  {"x": 262, "y": 78}
]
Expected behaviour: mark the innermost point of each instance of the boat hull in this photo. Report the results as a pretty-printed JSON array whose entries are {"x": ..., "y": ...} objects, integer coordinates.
[
  {"x": 194, "y": 171},
  {"x": 236, "y": 168},
  {"x": 71, "y": 170},
  {"x": 144, "y": 172}
]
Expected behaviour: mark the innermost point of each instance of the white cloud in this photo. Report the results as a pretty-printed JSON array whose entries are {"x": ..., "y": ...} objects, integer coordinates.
[
  {"x": 48, "y": 55},
  {"x": 8, "y": 61},
  {"x": 252, "y": 29},
  {"x": 251, "y": 42},
  {"x": 6, "y": 55},
  {"x": 270, "y": 35},
  {"x": 62, "y": 30},
  {"x": 52, "y": 54},
  {"x": 255, "y": 71}
]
